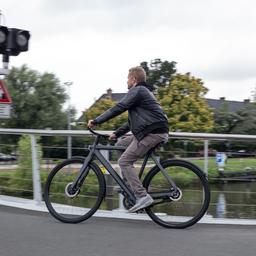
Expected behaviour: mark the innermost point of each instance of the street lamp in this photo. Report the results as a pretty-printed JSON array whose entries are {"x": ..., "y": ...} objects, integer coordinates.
[{"x": 69, "y": 154}]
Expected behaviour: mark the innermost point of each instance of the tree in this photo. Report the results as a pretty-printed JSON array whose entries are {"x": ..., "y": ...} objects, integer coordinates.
[
  {"x": 23, "y": 174},
  {"x": 159, "y": 73},
  {"x": 225, "y": 121},
  {"x": 242, "y": 121},
  {"x": 184, "y": 103},
  {"x": 37, "y": 100},
  {"x": 246, "y": 120},
  {"x": 101, "y": 106}
]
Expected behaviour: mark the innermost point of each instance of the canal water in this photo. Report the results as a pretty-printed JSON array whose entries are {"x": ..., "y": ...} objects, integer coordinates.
[
  {"x": 228, "y": 200},
  {"x": 233, "y": 200}
]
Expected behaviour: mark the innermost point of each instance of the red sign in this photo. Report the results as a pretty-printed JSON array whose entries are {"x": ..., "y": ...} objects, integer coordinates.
[{"x": 4, "y": 95}]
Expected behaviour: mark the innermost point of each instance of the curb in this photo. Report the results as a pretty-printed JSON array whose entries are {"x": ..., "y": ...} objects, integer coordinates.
[{"x": 28, "y": 204}]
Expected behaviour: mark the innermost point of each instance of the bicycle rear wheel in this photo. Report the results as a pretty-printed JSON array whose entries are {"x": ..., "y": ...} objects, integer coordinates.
[
  {"x": 82, "y": 204},
  {"x": 193, "y": 201}
]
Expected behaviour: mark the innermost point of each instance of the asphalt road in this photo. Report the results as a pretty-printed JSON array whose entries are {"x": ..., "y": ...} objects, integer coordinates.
[{"x": 27, "y": 233}]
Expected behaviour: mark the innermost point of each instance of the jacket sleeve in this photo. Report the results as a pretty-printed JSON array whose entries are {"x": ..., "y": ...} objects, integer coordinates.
[
  {"x": 126, "y": 103},
  {"x": 122, "y": 130}
]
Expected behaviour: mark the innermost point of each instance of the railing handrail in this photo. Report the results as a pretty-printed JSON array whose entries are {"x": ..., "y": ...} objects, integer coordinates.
[
  {"x": 181, "y": 135},
  {"x": 37, "y": 185}
]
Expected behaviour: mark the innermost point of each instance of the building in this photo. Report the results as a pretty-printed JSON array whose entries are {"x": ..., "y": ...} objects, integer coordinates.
[{"x": 215, "y": 104}]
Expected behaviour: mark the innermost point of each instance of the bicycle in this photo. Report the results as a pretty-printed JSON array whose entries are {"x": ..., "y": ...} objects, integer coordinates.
[{"x": 75, "y": 188}]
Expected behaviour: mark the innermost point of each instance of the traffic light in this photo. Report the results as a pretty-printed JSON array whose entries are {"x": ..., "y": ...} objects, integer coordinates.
[
  {"x": 13, "y": 41},
  {"x": 17, "y": 41},
  {"x": 3, "y": 38}
]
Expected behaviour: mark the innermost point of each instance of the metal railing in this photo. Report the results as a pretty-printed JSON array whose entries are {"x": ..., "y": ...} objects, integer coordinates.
[{"x": 205, "y": 137}]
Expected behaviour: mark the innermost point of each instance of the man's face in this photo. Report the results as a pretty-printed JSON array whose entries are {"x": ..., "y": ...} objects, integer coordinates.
[{"x": 131, "y": 82}]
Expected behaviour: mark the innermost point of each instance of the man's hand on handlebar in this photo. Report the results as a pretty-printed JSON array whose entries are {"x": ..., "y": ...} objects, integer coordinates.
[
  {"x": 112, "y": 137},
  {"x": 91, "y": 124}
]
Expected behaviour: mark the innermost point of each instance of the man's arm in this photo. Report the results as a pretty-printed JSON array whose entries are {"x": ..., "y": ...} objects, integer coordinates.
[
  {"x": 127, "y": 102},
  {"x": 122, "y": 130}
]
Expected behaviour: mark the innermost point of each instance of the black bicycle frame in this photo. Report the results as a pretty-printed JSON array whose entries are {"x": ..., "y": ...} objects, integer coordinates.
[
  {"x": 113, "y": 173},
  {"x": 95, "y": 153}
]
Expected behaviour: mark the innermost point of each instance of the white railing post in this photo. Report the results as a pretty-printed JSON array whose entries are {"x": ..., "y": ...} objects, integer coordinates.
[
  {"x": 108, "y": 178},
  {"x": 206, "y": 151},
  {"x": 109, "y": 181},
  {"x": 69, "y": 147},
  {"x": 120, "y": 197},
  {"x": 36, "y": 172}
]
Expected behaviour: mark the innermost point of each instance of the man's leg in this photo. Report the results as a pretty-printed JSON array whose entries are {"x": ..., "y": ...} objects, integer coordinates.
[
  {"x": 124, "y": 141},
  {"x": 134, "y": 151}
]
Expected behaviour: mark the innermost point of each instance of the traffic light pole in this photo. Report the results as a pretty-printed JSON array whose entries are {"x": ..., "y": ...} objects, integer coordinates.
[{"x": 4, "y": 71}]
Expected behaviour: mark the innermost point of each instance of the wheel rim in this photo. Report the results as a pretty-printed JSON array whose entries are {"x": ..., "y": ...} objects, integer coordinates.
[
  {"x": 83, "y": 203},
  {"x": 188, "y": 208}
]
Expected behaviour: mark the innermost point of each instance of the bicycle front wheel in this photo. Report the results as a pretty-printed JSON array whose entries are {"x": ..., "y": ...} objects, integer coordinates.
[
  {"x": 77, "y": 207},
  {"x": 192, "y": 202}
]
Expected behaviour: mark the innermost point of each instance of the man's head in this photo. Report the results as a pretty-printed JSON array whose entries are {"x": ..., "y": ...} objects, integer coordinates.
[{"x": 135, "y": 76}]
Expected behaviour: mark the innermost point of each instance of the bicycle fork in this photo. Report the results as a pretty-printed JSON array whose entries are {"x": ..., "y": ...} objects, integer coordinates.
[{"x": 72, "y": 189}]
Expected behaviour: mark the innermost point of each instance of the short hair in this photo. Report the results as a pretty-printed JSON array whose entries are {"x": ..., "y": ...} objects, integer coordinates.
[{"x": 139, "y": 73}]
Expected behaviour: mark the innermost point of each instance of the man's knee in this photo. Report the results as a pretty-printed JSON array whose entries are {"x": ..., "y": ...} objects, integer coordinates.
[
  {"x": 124, "y": 161},
  {"x": 119, "y": 143}
]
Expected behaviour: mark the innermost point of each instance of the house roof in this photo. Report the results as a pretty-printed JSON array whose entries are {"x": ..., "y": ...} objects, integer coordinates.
[
  {"x": 228, "y": 105},
  {"x": 218, "y": 104},
  {"x": 215, "y": 104},
  {"x": 114, "y": 96}
]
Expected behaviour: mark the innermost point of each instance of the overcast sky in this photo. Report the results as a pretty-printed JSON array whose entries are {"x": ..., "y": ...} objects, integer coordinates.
[{"x": 94, "y": 42}]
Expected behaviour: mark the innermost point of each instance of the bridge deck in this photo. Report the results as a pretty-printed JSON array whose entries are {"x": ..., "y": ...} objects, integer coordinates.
[{"x": 31, "y": 233}]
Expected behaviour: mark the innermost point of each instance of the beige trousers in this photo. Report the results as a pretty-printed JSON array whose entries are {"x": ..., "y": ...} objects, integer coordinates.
[{"x": 135, "y": 150}]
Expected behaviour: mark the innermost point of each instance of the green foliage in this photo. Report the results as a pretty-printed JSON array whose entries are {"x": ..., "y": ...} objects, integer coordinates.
[
  {"x": 225, "y": 121},
  {"x": 246, "y": 120},
  {"x": 184, "y": 103},
  {"x": 181, "y": 96},
  {"x": 159, "y": 72},
  {"x": 37, "y": 100},
  {"x": 23, "y": 174},
  {"x": 37, "y": 104},
  {"x": 242, "y": 121},
  {"x": 101, "y": 106}
]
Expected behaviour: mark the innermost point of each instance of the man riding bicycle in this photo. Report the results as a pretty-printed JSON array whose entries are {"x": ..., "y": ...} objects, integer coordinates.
[{"x": 148, "y": 124}]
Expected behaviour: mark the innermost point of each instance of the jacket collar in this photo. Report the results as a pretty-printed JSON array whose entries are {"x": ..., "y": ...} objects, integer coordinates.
[{"x": 148, "y": 86}]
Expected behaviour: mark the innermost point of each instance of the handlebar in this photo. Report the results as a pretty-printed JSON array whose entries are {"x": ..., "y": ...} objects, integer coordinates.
[{"x": 98, "y": 134}]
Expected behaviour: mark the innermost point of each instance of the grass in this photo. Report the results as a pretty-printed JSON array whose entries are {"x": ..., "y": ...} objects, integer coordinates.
[{"x": 233, "y": 164}]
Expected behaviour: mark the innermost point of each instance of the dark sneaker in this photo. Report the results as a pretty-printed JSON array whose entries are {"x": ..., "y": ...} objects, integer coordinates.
[{"x": 141, "y": 203}]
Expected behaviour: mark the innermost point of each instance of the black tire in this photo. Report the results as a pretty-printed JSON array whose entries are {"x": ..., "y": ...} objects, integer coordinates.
[
  {"x": 195, "y": 199},
  {"x": 83, "y": 205}
]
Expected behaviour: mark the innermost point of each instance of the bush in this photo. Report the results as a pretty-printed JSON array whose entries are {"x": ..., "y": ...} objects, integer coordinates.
[{"x": 23, "y": 176}]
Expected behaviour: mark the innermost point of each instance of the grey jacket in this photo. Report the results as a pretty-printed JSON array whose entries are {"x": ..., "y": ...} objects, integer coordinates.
[{"x": 145, "y": 114}]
